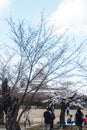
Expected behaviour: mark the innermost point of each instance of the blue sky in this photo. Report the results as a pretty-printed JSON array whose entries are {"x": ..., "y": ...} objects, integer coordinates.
[
  {"x": 24, "y": 10},
  {"x": 62, "y": 13}
]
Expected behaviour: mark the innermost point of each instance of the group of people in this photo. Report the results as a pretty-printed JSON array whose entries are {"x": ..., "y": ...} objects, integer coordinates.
[
  {"x": 49, "y": 117},
  {"x": 80, "y": 119}
]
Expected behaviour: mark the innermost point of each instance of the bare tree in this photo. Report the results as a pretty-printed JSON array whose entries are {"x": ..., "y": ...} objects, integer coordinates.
[{"x": 34, "y": 50}]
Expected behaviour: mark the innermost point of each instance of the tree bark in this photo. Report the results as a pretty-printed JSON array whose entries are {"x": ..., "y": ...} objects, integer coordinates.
[
  {"x": 13, "y": 125},
  {"x": 10, "y": 107}
]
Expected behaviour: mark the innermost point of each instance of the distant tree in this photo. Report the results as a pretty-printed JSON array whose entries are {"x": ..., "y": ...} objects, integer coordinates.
[{"x": 34, "y": 50}]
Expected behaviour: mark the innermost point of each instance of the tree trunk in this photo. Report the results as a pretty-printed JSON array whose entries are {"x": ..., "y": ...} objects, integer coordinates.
[
  {"x": 10, "y": 107},
  {"x": 11, "y": 122},
  {"x": 13, "y": 125}
]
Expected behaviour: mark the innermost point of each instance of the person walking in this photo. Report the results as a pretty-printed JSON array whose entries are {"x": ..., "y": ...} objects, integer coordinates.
[
  {"x": 47, "y": 119},
  {"x": 27, "y": 117},
  {"x": 79, "y": 118}
]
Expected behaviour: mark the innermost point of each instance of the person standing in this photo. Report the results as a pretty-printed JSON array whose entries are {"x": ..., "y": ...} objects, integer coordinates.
[
  {"x": 51, "y": 108},
  {"x": 1, "y": 112},
  {"x": 79, "y": 118},
  {"x": 85, "y": 120},
  {"x": 68, "y": 111},
  {"x": 47, "y": 119}
]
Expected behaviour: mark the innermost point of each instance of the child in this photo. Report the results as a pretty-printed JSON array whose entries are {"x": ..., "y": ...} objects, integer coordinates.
[
  {"x": 85, "y": 120},
  {"x": 69, "y": 119}
]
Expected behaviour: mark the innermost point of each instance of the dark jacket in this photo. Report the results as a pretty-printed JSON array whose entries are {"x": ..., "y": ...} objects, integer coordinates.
[
  {"x": 47, "y": 117},
  {"x": 79, "y": 117}
]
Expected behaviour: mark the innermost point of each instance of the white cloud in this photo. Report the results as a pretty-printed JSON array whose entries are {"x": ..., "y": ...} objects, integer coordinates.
[
  {"x": 4, "y": 4},
  {"x": 71, "y": 13}
]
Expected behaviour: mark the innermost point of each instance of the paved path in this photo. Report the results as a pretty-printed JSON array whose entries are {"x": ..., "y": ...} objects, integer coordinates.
[
  {"x": 21, "y": 128},
  {"x": 5, "y": 128}
]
